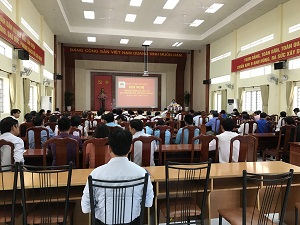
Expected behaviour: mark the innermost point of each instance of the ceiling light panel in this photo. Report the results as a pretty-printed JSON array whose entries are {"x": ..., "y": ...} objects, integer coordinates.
[
  {"x": 136, "y": 3},
  {"x": 91, "y": 39},
  {"x": 87, "y": 1},
  {"x": 170, "y": 4},
  {"x": 196, "y": 23},
  {"x": 124, "y": 41},
  {"x": 214, "y": 8},
  {"x": 89, "y": 15},
  {"x": 159, "y": 20},
  {"x": 177, "y": 44},
  {"x": 130, "y": 18},
  {"x": 147, "y": 42}
]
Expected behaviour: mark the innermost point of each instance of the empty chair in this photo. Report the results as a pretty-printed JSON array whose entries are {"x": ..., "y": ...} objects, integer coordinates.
[
  {"x": 45, "y": 194},
  {"x": 263, "y": 196},
  {"x": 247, "y": 149},
  {"x": 204, "y": 141},
  {"x": 184, "y": 182},
  {"x": 7, "y": 152}
]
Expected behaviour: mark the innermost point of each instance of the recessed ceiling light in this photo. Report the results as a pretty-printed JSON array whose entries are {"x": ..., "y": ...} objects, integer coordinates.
[
  {"x": 91, "y": 39},
  {"x": 170, "y": 4},
  {"x": 88, "y": 1},
  {"x": 130, "y": 18},
  {"x": 124, "y": 41},
  {"x": 147, "y": 42},
  {"x": 214, "y": 8},
  {"x": 90, "y": 15},
  {"x": 177, "y": 44},
  {"x": 196, "y": 23},
  {"x": 136, "y": 3},
  {"x": 159, "y": 20}
]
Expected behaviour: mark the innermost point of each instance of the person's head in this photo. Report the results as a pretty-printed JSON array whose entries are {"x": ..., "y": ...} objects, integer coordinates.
[
  {"x": 42, "y": 112},
  {"x": 103, "y": 118},
  {"x": 148, "y": 124},
  {"x": 188, "y": 119},
  {"x": 296, "y": 110},
  {"x": 215, "y": 114},
  {"x": 100, "y": 112},
  {"x": 160, "y": 122},
  {"x": 38, "y": 120},
  {"x": 64, "y": 124},
  {"x": 119, "y": 112},
  {"x": 109, "y": 117},
  {"x": 130, "y": 112},
  {"x": 101, "y": 131},
  {"x": 289, "y": 120},
  {"x": 157, "y": 113},
  {"x": 121, "y": 118},
  {"x": 85, "y": 114},
  {"x": 75, "y": 121},
  {"x": 192, "y": 111},
  {"x": 57, "y": 109},
  {"x": 28, "y": 117},
  {"x": 48, "y": 111},
  {"x": 114, "y": 111},
  {"x": 15, "y": 113},
  {"x": 119, "y": 141},
  {"x": 223, "y": 111},
  {"x": 228, "y": 124},
  {"x": 140, "y": 112},
  {"x": 246, "y": 116},
  {"x": 148, "y": 113},
  {"x": 263, "y": 115},
  {"x": 135, "y": 126},
  {"x": 282, "y": 114},
  {"x": 9, "y": 124},
  {"x": 53, "y": 118}
]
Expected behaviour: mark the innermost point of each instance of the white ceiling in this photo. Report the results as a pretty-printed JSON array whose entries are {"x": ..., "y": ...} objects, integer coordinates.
[{"x": 65, "y": 19}]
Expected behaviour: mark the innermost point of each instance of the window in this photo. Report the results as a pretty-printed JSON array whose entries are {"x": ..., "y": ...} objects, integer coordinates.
[
  {"x": 220, "y": 57},
  {"x": 297, "y": 97},
  {"x": 258, "y": 42},
  {"x": 218, "y": 101},
  {"x": 221, "y": 79},
  {"x": 1, "y": 96},
  {"x": 294, "y": 64},
  {"x": 256, "y": 72},
  {"x": 5, "y": 50},
  {"x": 32, "y": 65},
  {"x": 252, "y": 101},
  {"x": 33, "y": 98}
]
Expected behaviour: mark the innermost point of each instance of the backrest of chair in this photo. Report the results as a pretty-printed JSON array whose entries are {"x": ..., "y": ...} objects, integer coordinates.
[
  {"x": 204, "y": 141},
  {"x": 269, "y": 128},
  {"x": 100, "y": 147},
  {"x": 37, "y": 136},
  {"x": 248, "y": 148},
  {"x": 162, "y": 132},
  {"x": 249, "y": 124},
  {"x": 172, "y": 123},
  {"x": 72, "y": 129},
  {"x": 112, "y": 128},
  {"x": 8, "y": 197},
  {"x": 12, "y": 148},
  {"x": 271, "y": 196},
  {"x": 184, "y": 181},
  {"x": 191, "y": 132},
  {"x": 121, "y": 199},
  {"x": 64, "y": 150},
  {"x": 146, "y": 149},
  {"x": 24, "y": 127},
  {"x": 47, "y": 186},
  {"x": 288, "y": 133},
  {"x": 52, "y": 125},
  {"x": 217, "y": 126}
]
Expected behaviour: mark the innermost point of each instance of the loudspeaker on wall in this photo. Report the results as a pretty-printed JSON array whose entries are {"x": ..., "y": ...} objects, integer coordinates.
[{"x": 23, "y": 54}]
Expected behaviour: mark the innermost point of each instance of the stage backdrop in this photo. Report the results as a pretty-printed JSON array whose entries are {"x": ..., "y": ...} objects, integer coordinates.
[{"x": 102, "y": 82}]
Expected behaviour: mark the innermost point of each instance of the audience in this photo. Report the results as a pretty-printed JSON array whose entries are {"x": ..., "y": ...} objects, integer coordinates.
[
  {"x": 245, "y": 125},
  {"x": 156, "y": 133},
  {"x": 262, "y": 124},
  {"x": 188, "y": 119},
  {"x": 281, "y": 121},
  {"x": 76, "y": 123},
  {"x": 213, "y": 123},
  {"x": 109, "y": 117}
]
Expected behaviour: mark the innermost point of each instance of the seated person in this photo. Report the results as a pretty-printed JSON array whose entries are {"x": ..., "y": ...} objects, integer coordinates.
[
  {"x": 53, "y": 119},
  {"x": 38, "y": 122},
  {"x": 212, "y": 123},
  {"x": 27, "y": 119},
  {"x": 281, "y": 121},
  {"x": 197, "y": 119},
  {"x": 224, "y": 142},
  {"x": 178, "y": 116},
  {"x": 188, "y": 120},
  {"x": 262, "y": 124},
  {"x": 167, "y": 133},
  {"x": 121, "y": 118},
  {"x": 15, "y": 113},
  {"x": 149, "y": 128},
  {"x": 64, "y": 125},
  {"x": 9, "y": 131},
  {"x": 101, "y": 131},
  {"x": 244, "y": 125},
  {"x": 136, "y": 129},
  {"x": 140, "y": 115},
  {"x": 118, "y": 168},
  {"x": 76, "y": 122},
  {"x": 223, "y": 114},
  {"x": 109, "y": 118},
  {"x": 99, "y": 114},
  {"x": 156, "y": 117}
]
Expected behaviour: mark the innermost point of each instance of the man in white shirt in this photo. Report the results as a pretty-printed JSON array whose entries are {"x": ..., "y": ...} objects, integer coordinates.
[
  {"x": 245, "y": 125},
  {"x": 136, "y": 129},
  {"x": 140, "y": 115},
  {"x": 197, "y": 119},
  {"x": 118, "y": 168},
  {"x": 10, "y": 130},
  {"x": 224, "y": 142}
]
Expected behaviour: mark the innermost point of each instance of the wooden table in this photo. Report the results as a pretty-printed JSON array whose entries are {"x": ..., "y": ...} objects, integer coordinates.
[
  {"x": 266, "y": 140},
  {"x": 178, "y": 148},
  {"x": 37, "y": 152},
  {"x": 295, "y": 153},
  {"x": 225, "y": 186}
]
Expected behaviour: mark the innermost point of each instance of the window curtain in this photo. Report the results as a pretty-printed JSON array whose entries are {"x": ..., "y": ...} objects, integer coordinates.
[
  {"x": 240, "y": 98},
  {"x": 38, "y": 90},
  {"x": 212, "y": 100},
  {"x": 265, "y": 97},
  {"x": 12, "y": 90},
  {"x": 48, "y": 91},
  {"x": 289, "y": 96},
  {"x": 224, "y": 99},
  {"x": 26, "y": 91}
]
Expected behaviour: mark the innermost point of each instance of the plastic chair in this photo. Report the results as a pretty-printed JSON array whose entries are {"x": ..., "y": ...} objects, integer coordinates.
[
  {"x": 45, "y": 194},
  {"x": 120, "y": 199},
  {"x": 268, "y": 194},
  {"x": 247, "y": 148},
  {"x": 183, "y": 204}
]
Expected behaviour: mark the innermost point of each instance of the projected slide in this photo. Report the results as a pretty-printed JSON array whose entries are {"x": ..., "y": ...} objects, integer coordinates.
[{"x": 136, "y": 92}]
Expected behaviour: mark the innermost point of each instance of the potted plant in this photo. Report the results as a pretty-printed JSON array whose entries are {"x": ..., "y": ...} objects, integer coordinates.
[
  {"x": 187, "y": 98},
  {"x": 69, "y": 98}
]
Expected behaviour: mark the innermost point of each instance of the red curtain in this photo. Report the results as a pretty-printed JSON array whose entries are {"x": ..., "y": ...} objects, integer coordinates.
[{"x": 99, "y": 83}]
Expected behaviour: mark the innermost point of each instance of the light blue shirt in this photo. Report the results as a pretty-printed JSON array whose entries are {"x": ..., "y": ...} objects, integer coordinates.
[
  {"x": 31, "y": 142},
  {"x": 186, "y": 136},
  {"x": 212, "y": 122},
  {"x": 112, "y": 124},
  {"x": 167, "y": 136},
  {"x": 148, "y": 130}
]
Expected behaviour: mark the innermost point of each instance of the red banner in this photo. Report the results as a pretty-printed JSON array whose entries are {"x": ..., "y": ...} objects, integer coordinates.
[
  {"x": 102, "y": 84},
  {"x": 283, "y": 51},
  {"x": 103, "y": 51},
  {"x": 13, "y": 34}
]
